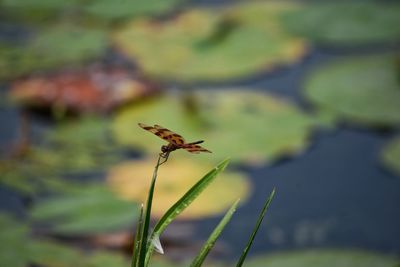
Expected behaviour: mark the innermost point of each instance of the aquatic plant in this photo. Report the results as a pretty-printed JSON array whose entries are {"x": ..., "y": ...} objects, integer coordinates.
[
  {"x": 145, "y": 242},
  {"x": 362, "y": 90},
  {"x": 346, "y": 23},
  {"x": 270, "y": 127},
  {"x": 203, "y": 44},
  {"x": 390, "y": 155}
]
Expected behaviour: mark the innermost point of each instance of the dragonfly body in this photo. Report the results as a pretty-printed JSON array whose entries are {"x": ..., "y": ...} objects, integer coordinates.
[{"x": 175, "y": 141}]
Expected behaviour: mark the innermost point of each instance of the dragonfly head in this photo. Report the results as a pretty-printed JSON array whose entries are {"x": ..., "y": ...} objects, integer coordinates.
[{"x": 164, "y": 149}]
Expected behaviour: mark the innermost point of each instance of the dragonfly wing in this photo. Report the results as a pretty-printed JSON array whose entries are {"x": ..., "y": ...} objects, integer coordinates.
[
  {"x": 164, "y": 133},
  {"x": 170, "y": 136},
  {"x": 148, "y": 128},
  {"x": 196, "y": 149}
]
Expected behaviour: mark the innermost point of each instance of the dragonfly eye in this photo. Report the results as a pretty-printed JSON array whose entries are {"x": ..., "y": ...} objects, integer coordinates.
[{"x": 164, "y": 149}]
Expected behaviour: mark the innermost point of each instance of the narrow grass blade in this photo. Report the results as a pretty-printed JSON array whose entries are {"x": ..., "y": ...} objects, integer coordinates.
[
  {"x": 184, "y": 202},
  {"x": 145, "y": 229},
  {"x": 137, "y": 240},
  {"x": 198, "y": 261},
  {"x": 257, "y": 226}
]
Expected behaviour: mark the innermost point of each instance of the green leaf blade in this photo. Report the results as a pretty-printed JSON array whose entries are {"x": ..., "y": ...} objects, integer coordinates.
[
  {"x": 188, "y": 198},
  {"x": 198, "y": 261},
  {"x": 184, "y": 202},
  {"x": 255, "y": 230},
  {"x": 137, "y": 239}
]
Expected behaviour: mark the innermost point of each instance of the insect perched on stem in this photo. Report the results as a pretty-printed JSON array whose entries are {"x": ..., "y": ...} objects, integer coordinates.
[{"x": 175, "y": 141}]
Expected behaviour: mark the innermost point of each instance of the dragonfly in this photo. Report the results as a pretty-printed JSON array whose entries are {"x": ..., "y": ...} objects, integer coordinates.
[{"x": 175, "y": 141}]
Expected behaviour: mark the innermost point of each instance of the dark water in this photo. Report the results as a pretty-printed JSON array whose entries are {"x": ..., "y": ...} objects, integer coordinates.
[{"x": 334, "y": 195}]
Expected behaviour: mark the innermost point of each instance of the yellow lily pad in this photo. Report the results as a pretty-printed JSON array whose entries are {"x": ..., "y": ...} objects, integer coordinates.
[
  {"x": 206, "y": 44},
  {"x": 391, "y": 155},
  {"x": 131, "y": 180},
  {"x": 364, "y": 90},
  {"x": 247, "y": 126}
]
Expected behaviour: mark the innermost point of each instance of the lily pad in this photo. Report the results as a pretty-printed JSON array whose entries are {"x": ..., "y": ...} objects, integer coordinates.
[
  {"x": 30, "y": 177},
  {"x": 49, "y": 49},
  {"x": 82, "y": 145},
  {"x": 205, "y": 44},
  {"x": 113, "y": 10},
  {"x": 346, "y": 23},
  {"x": 91, "y": 210},
  {"x": 76, "y": 147},
  {"x": 391, "y": 155},
  {"x": 102, "y": 10},
  {"x": 131, "y": 180},
  {"x": 19, "y": 249},
  {"x": 95, "y": 89},
  {"x": 325, "y": 258},
  {"x": 35, "y": 10},
  {"x": 247, "y": 126},
  {"x": 12, "y": 242},
  {"x": 363, "y": 90}
]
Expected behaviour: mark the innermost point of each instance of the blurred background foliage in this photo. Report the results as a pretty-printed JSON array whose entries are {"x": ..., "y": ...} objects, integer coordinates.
[
  {"x": 263, "y": 82},
  {"x": 176, "y": 182},
  {"x": 216, "y": 118},
  {"x": 208, "y": 44}
]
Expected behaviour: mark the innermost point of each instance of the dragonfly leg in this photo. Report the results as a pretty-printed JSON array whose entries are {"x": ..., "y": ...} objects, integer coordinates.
[{"x": 165, "y": 156}]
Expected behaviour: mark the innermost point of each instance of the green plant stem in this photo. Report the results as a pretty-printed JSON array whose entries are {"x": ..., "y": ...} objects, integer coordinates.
[
  {"x": 256, "y": 227},
  {"x": 145, "y": 230}
]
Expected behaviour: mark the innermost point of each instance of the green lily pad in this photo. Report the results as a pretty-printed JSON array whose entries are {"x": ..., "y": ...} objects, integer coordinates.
[
  {"x": 81, "y": 145},
  {"x": 391, "y": 155},
  {"x": 12, "y": 242},
  {"x": 35, "y": 10},
  {"x": 325, "y": 258},
  {"x": 130, "y": 180},
  {"x": 49, "y": 49},
  {"x": 346, "y": 23},
  {"x": 30, "y": 177},
  {"x": 362, "y": 90},
  {"x": 94, "y": 209},
  {"x": 76, "y": 147},
  {"x": 111, "y": 10},
  {"x": 102, "y": 10},
  {"x": 203, "y": 44},
  {"x": 19, "y": 249},
  {"x": 247, "y": 126},
  {"x": 51, "y": 254}
]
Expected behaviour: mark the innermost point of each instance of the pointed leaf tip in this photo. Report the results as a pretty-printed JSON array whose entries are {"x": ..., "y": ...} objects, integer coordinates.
[{"x": 157, "y": 244}]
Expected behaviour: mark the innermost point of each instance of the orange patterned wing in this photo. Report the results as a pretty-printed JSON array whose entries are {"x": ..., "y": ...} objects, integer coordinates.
[
  {"x": 165, "y": 134},
  {"x": 170, "y": 136},
  {"x": 196, "y": 149}
]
